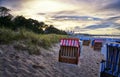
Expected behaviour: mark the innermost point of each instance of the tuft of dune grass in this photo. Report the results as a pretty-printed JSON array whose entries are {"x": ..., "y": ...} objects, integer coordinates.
[{"x": 31, "y": 40}]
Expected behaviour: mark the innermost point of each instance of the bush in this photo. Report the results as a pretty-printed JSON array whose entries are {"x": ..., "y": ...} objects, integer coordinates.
[{"x": 7, "y": 35}]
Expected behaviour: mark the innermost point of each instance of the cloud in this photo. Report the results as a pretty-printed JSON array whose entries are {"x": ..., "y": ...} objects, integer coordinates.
[
  {"x": 65, "y": 12},
  {"x": 114, "y": 18},
  {"x": 104, "y": 25},
  {"x": 111, "y": 22},
  {"x": 78, "y": 28},
  {"x": 83, "y": 18},
  {"x": 86, "y": 14},
  {"x": 114, "y": 5},
  {"x": 12, "y": 4},
  {"x": 41, "y": 13},
  {"x": 96, "y": 26}
]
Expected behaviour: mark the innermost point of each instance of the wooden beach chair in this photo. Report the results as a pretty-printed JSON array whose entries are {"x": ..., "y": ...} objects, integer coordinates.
[
  {"x": 86, "y": 42},
  {"x": 69, "y": 50},
  {"x": 111, "y": 66},
  {"x": 97, "y": 45}
]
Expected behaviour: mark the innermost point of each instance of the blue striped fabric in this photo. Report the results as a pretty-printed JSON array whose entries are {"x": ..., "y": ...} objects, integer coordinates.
[
  {"x": 114, "y": 44},
  {"x": 113, "y": 56},
  {"x": 83, "y": 38}
]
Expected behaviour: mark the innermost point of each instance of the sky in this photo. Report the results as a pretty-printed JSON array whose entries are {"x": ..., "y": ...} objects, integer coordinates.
[{"x": 84, "y": 16}]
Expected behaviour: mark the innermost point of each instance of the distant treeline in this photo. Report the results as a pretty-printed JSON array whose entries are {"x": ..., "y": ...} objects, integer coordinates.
[{"x": 15, "y": 23}]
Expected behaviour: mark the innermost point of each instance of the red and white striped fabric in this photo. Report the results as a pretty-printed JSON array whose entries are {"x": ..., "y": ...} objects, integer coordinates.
[
  {"x": 98, "y": 40},
  {"x": 69, "y": 42}
]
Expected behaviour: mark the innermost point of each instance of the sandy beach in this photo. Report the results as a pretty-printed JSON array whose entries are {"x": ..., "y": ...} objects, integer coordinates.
[{"x": 21, "y": 64}]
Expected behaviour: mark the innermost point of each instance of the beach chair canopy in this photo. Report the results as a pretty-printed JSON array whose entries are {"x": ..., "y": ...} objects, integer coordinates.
[
  {"x": 98, "y": 41},
  {"x": 74, "y": 42},
  {"x": 114, "y": 44},
  {"x": 84, "y": 38}
]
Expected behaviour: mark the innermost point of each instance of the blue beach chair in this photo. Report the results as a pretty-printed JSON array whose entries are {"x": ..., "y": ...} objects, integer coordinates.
[{"x": 111, "y": 66}]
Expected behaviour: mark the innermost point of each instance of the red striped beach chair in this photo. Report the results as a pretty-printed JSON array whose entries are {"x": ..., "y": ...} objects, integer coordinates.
[{"x": 69, "y": 50}]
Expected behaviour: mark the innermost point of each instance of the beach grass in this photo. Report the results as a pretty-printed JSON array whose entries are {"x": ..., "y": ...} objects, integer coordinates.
[{"x": 30, "y": 39}]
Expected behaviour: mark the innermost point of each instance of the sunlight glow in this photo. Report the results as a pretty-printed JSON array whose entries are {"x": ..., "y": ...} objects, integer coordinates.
[
  {"x": 48, "y": 6},
  {"x": 32, "y": 8}
]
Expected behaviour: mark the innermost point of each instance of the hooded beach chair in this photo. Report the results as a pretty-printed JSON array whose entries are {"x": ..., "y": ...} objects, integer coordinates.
[
  {"x": 69, "y": 50},
  {"x": 92, "y": 43},
  {"x": 97, "y": 44},
  {"x": 110, "y": 67},
  {"x": 86, "y": 41}
]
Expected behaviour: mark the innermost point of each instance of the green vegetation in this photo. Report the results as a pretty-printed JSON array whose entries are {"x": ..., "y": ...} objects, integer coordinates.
[
  {"x": 28, "y": 40},
  {"x": 27, "y": 34},
  {"x": 44, "y": 40},
  {"x": 18, "y": 22}
]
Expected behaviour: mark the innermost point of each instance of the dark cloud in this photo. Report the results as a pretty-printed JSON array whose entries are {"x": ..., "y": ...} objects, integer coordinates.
[
  {"x": 41, "y": 13},
  {"x": 59, "y": 13},
  {"x": 97, "y": 26},
  {"x": 16, "y": 4},
  {"x": 108, "y": 23},
  {"x": 114, "y": 18},
  {"x": 84, "y": 18},
  {"x": 104, "y": 25},
  {"x": 114, "y": 5},
  {"x": 66, "y": 12},
  {"x": 78, "y": 28},
  {"x": 1, "y": 2}
]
